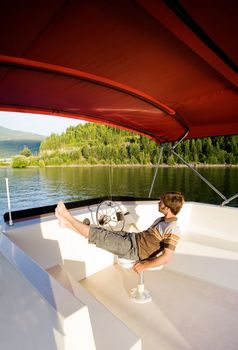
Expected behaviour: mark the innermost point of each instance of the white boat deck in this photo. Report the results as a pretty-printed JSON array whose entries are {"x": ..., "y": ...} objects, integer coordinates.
[
  {"x": 185, "y": 313},
  {"x": 87, "y": 295}
]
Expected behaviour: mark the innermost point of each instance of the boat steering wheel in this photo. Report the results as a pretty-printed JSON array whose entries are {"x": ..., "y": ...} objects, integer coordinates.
[{"x": 110, "y": 216}]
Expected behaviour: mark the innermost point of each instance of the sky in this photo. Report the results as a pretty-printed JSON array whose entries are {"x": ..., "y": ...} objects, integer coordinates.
[{"x": 42, "y": 125}]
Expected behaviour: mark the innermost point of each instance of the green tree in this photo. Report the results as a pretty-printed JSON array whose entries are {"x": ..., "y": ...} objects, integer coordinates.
[
  {"x": 20, "y": 161},
  {"x": 230, "y": 159},
  {"x": 207, "y": 149},
  {"x": 187, "y": 153},
  {"x": 171, "y": 160},
  {"x": 26, "y": 152}
]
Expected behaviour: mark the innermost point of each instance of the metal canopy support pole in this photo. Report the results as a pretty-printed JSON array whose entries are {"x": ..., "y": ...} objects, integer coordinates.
[
  {"x": 159, "y": 160},
  {"x": 156, "y": 171},
  {"x": 226, "y": 200},
  {"x": 10, "y": 223},
  {"x": 199, "y": 175},
  {"x": 229, "y": 199}
]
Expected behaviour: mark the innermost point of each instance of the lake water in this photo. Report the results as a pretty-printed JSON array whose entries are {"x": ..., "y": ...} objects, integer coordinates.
[{"x": 33, "y": 187}]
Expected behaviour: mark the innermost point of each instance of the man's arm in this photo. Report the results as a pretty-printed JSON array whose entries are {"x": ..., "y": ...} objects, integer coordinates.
[{"x": 162, "y": 259}]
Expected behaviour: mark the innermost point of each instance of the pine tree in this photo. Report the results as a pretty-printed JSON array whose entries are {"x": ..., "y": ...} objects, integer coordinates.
[{"x": 26, "y": 152}]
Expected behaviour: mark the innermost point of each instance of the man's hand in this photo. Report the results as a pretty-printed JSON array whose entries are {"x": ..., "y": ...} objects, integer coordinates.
[
  {"x": 162, "y": 259},
  {"x": 139, "y": 267}
]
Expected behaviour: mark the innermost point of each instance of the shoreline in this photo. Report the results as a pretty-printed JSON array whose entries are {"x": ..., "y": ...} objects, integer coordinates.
[{"x": 127, "y": 166}]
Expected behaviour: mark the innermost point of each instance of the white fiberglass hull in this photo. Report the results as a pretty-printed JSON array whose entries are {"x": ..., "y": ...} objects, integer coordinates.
[{"x": 77, "y": 296}]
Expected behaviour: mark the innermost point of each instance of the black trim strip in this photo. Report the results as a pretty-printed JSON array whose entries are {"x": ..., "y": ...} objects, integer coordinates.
[
  {"x": 49, "y": 209},
  {"x": 185, "y": 17}
]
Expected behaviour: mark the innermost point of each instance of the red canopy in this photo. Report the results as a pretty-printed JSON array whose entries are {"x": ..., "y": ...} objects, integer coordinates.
[{"x": 161, "y": 68}]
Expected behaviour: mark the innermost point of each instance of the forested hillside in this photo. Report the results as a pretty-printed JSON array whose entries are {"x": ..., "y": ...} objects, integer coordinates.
[{"x": 93, "y": 143}]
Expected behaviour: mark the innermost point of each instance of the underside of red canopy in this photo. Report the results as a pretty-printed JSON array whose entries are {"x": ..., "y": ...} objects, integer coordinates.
[{"x": 164, "y": 69}]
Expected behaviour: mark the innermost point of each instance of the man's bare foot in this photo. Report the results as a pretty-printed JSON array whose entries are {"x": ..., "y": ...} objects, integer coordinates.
[
  {"x": 62, "y": 214},
  {"x": 62, "y": 210},
  {"x": 67, "y": 220}
]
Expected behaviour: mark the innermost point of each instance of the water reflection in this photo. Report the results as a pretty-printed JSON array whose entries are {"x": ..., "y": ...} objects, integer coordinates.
[{"x": 44, "y": 186}]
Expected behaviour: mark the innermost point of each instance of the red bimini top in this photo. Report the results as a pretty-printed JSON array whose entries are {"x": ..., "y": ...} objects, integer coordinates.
[{"x": 160, "y": 68}]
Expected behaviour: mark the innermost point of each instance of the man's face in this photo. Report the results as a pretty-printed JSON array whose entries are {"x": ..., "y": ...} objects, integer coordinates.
[{"x": 162, "y": 208}]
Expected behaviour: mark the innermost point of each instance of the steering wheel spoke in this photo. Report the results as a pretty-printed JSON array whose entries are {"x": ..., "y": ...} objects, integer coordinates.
[{"x": 110, "y": 216}]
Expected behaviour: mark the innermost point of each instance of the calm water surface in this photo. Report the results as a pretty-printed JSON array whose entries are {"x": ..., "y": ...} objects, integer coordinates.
[{"x": 35, "y": 187}]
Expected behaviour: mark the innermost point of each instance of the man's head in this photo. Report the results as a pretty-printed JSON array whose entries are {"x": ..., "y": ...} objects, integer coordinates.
[{"x": 172, "y": 200}]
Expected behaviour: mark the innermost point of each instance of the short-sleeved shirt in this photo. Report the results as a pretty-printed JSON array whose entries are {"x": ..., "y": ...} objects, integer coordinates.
[{"x": 160, "y": 235}]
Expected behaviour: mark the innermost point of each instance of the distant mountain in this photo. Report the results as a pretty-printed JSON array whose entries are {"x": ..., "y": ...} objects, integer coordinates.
[
  {"x": 14, "y": 135},
  {"x": 12, "y": 142}
]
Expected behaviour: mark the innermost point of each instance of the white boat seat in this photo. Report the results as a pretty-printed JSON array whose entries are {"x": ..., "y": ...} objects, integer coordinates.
[
  {"x": 138, "y": 294},
  {"x": 126, "y": 263}
]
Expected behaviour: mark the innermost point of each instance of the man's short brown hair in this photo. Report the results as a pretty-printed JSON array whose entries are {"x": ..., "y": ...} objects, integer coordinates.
[{"x": 173, "y": 200}]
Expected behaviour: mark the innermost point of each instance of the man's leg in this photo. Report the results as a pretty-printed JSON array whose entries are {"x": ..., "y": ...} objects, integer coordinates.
[
  {"x": 119, "y": 243},
  {"x": 67, "y": 220}
]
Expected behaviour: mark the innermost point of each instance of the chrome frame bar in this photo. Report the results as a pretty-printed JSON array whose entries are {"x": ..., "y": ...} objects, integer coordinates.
[
  {"x": 156, "y": 171},
  {"x": 229, "y": 199},
  {"x": 225, "y": 200},
  {"x": 159, "y": 159},
  {"x": 10, "y": 223},
  {"x": 199, "y": 175}
]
